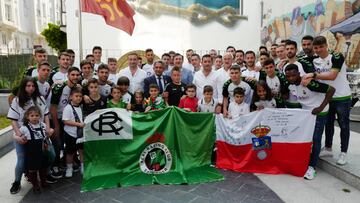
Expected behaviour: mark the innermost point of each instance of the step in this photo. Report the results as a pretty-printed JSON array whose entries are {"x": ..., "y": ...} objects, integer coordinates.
[
  {"x": 349, "y": 173},
  {"x": 6, "y": 140}
]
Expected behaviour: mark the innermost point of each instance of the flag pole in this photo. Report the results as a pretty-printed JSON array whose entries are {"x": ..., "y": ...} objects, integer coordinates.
[{"x": 80, "y": 32}]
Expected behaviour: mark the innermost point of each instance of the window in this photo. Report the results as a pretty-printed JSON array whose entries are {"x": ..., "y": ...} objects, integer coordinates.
[
  {"x": 44, "y": 10},
  {"x": 8, "y": 13},
  {"x": 3, "y": 38},
  {"x": 27, "y": 43}
]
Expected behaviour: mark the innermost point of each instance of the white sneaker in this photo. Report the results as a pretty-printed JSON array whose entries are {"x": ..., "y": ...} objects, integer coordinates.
[
  {"x": 326, "y": 152},
  {"x": 310, "y": 173},
  {"x": 342, "y": 159},
  {"x": 69, "y": 172}
]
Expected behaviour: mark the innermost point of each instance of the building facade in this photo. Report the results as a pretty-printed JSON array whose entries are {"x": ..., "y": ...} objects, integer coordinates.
[{"x": 21, "y": 22}]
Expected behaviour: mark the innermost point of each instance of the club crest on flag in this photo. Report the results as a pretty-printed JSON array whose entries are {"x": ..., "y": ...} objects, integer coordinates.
[
  {"x": 156, "y": 158},
  {"x": 261, "y": 141}
]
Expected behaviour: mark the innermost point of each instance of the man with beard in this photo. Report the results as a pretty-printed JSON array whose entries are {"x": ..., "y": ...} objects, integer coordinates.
[
  {"x": 148, "y": 67},
  {"x": 239, "y": 59},
  {"x": 273, "y": 53},
  {"x": 213, "y": 54},
  {"x": 304, "y": 67},
  {"x": 251, "y": 72},
  {"x": 188, "y": 64},
  {"x": 61, "y": 75},
  {"x": 232, "y": 50},
  {"x": 186, "y": 75},
  {"x": 195, "y": 62},
  {"x": 307, "y": 47}
]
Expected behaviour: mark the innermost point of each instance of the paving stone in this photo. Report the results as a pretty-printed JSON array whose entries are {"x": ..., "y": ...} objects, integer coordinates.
[
  {"x": 178, "y": 196},
  {"x": 105, "y": 199},
  {"x": 237, "y": 187},
  {"x": 205, "y": 191},
  {"x": 200, "y": 200}
]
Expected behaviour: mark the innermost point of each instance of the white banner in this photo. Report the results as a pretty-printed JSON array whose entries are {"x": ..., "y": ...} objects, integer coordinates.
[
  {"x": 282, "y": 125},
  {"x": 108, "y": 124}
]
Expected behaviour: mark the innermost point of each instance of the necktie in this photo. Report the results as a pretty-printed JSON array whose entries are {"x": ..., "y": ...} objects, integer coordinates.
[{"x": 160, "y": 84}]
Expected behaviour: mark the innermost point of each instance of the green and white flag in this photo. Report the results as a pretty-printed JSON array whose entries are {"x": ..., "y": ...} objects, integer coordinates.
[{"x": 169, "y": 146}]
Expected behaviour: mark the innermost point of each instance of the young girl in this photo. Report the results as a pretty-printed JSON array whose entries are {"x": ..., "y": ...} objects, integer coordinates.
[
  {"x": 116, "y": 101},
  {"x": 96, "y": 101},
  {"x": 28, "y": 95},
  {"x": 262, "y": 97},
  {"x": 139, "y": 102},
  {"x": 35, "y": 160}
]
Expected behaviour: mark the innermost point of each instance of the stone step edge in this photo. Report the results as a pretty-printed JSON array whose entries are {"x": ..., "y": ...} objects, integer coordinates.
[{"x": 340, "y": 173}]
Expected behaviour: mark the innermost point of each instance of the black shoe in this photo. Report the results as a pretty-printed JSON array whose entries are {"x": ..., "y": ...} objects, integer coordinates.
[
  {"x": 15, "y": 188},
  {"x": 50, "y": 180},
  {"x": 56, "y": 173},
  {"x": 36, "y": 190}
]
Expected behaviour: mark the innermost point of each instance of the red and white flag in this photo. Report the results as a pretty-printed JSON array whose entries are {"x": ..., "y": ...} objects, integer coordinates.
[{"x": 273, "y": 141}]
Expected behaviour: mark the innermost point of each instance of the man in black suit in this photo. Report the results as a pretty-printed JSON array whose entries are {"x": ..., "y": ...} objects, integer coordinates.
[{"x": 158, "y": 78}]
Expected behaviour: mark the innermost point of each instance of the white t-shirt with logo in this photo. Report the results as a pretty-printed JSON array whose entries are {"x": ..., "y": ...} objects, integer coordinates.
[
  {"x": 341, "y": 84},
  {"x": 68, "y": 115},
  {"x": 149, "y": 69},
  {"x": 207, "y": 107}
]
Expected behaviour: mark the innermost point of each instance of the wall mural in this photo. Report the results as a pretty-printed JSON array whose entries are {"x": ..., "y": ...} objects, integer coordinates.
[
  {"x": 338, "y": 21},
  {"x": 198, "y": 12}
]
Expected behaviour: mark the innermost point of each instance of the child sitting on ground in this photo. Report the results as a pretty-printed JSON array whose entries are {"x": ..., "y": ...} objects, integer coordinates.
[
  {"x": 189, "y": 102},
  {"x": 116, "y": 100},
  {"x": 155, "y": 101},
  {"x": 238, "y": 107}
]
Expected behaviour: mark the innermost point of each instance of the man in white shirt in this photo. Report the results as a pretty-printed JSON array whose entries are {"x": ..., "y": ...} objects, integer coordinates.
[
  {"x": 113, "y": 77},
  {"x": 187, "y": 64},
  {"x": 40, "y": 55},
  {"x": 195, "y": 62},
  {"x": 331, "y": 69},
  {"x": 148, "y": 67},
  {"x": 64, "y": 62},
  {"x": 252, "y": 71},
  {"x": 222, "y": 75},
  {"x": 204, "y": 77},
  {"x": 134, "y": 73}
]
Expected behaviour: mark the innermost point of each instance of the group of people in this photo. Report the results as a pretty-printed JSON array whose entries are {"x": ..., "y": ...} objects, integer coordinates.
[{"x": 52, "y": 102}]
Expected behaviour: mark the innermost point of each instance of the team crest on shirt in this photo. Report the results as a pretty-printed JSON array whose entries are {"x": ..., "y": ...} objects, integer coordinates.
[
  {"x": 156, "y": 158},
  {"x": 261, "y": 141}
]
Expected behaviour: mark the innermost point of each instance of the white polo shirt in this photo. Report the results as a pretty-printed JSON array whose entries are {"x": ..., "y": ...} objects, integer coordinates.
[
  {"x": 236, "y": 110},
  {"x": 200, "y": 80},
  {"x": 136, "y": 80}
]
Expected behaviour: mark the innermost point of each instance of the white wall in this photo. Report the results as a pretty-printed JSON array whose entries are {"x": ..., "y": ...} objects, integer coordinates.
[{"x": 163, "y": 33}]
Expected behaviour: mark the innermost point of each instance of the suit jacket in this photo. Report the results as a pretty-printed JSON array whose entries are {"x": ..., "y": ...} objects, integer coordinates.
[{"x": 153, "y": 80}]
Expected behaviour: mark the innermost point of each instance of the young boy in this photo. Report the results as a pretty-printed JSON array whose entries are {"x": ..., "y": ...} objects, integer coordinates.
[
  {"x": 236, "y": 81},
  {"x": 155, "y": 101},
  {"x": 96, "y": 101},
  {"x": 124, "y": 83},
  {"x": 73, "y": 121},
  {"x": 238, "y": 107},
  {"x": 112, "y": 70},
  {"x": 190, "y": 102},
  {"x": 116, "y": 101},
  {"x": 208, "y": 103},
  {"x": 175, "y": 89},
  {"x": 315, "y": 97}
]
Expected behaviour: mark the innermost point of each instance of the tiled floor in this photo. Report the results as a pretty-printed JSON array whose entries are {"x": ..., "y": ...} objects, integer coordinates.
[{"x": 237, "y": 187}]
